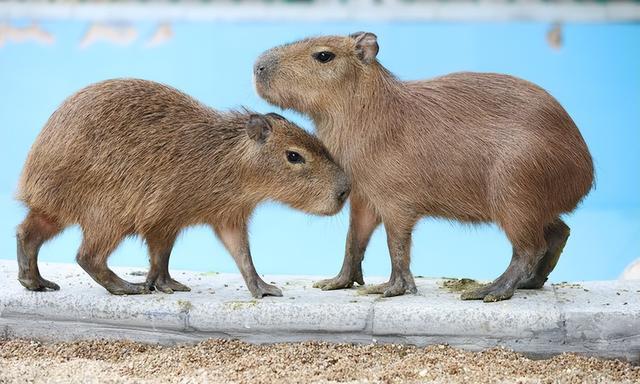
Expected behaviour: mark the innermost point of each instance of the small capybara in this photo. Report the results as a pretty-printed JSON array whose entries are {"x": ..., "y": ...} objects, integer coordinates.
[
  {"x": 473, "y": 147},
  {"x": 134, "y": 157}
]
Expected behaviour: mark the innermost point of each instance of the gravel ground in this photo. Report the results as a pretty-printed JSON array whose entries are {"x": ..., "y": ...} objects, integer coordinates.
[{"x": 230, "y": 361}]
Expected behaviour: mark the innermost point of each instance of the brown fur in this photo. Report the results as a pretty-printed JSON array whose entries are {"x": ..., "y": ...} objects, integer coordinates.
[
  {"x": 125, "y": 157},
  {"x": 474, "y": 147}
]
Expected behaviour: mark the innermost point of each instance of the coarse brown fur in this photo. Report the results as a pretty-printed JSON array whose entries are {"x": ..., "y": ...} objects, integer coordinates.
[
  {"x": 125, "y": 157},
  {"x": 473, "y": 147}
]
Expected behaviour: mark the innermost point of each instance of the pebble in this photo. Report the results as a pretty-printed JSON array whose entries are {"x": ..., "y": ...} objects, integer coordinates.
[{"x": 232, "y": 361}]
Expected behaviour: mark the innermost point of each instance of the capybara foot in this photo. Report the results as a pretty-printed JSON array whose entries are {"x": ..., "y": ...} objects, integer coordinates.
[
  {"x": 376, "y": 289},
  {"x": 490, "y": 293},
  {"x": 126, "y": 288},
  {"x": 342, "y": 281},
  {"x": 338, "y": 282},
  {"x": 394, "y": 287},
  {"x": 262, "y": 289},
  {"x": 400, "y": 287},
  {"x": 169, "y": 285},
  {"x": 38, "y": 284}
]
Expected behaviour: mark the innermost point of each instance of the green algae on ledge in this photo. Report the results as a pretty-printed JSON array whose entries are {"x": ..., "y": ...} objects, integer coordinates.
[
  {"x": 185, "y": 305},
  {"x": 459, "y": 285},
  {"x": 233, "y": 305}
]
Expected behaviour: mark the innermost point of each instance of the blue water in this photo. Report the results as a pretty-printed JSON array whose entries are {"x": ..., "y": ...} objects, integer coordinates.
[{"x": 596, "y": 76}]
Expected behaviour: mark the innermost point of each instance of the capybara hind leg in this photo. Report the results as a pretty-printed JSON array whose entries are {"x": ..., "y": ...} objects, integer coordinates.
[
  {"x": 556, "y": 235},
  {"x": 159, "y": 251},
  {"x": 362, "y": 223},
  {"x": 504, "y": 286},
  {"x": 32, "y": 233},
  {"x": 92, "y": 257},
  {"x": 526, "y": 256}
]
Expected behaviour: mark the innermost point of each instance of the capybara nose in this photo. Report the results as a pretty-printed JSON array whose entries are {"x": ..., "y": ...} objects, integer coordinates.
[
  {"x": 259, "y": 71},
  {"x": 263, "y": 66},
  {"x": 259, "y": 68}
]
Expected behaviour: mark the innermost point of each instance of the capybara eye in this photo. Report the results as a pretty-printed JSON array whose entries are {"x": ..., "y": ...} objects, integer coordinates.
[
  {"x": 324, "y": 56},
  {"x": 295, "y": 157}
]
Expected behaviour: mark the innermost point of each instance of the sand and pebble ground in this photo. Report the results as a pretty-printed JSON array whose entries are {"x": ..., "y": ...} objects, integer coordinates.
[{"x": 230, "y": 361}]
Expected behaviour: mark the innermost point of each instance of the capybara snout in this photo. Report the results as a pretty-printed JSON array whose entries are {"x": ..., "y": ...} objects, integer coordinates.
[
  {"x": 264, "y": 66},
  {"x": 305, "y": 176},
  {"x": 134, "y": 157}
]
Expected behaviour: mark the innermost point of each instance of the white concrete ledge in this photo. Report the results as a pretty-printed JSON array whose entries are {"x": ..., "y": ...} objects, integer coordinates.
[{"x": 595, "y": 318}]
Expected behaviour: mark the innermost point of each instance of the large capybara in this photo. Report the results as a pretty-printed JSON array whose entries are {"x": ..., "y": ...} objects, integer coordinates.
[
  {"x": 125, "y": 157},
  {"x": 473, "y": 147}
]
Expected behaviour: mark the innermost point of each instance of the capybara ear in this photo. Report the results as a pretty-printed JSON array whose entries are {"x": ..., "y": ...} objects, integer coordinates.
[
  {"x": 366, "y": 46},
  {"x": 258, "y": 127},
  {"x": 275, "y": 116}
]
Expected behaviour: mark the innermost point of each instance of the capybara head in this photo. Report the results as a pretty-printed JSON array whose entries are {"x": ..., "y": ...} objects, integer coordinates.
[
  {"x": 294, "y": 167},
  {"x": 308, "y": 74}
]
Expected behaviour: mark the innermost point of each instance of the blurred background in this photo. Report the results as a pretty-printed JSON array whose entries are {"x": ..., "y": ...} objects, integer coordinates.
[{"x": 585, "y": 53}]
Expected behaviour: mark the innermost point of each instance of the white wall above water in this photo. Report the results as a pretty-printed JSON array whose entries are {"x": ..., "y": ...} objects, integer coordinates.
[{"x": 326, "y": 10}]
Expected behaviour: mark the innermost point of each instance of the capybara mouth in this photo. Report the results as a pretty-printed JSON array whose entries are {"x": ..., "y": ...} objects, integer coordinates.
[
  {"x": 337, "y": 207},
  {"x": 259, "y": 85},
  {"x": 262, "y": 88}
]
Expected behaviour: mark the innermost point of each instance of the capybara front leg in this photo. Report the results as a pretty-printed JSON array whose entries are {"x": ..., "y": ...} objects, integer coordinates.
[
  {"x": 160, "y": 246},
  {"x": 362, "y": 223},
  {"x": 401, "y": 280},
  {"x": 235, "y": 239},
  {"x": 399, "y": 243},
  {"x": 32, "y": 233},
  {"x": 556, "y": 235}
]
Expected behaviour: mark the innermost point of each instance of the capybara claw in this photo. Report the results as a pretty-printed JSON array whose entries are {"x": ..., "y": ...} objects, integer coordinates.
[
  {"x": 39, "y": 284},
  {"x": 397, "y": 286},
  {"x": 400, "y": 287},
  {"x": 396, "y": 291},
  {"x": 489, "y": 293},
  {"x": 164, "y": 289},
  {"x": 373, "y": 289},
  {"x": 129, "y": 289},
  {"x": 170, "y": 286},
  {"x": 263, "y": 289},
  {"x": 498, "y": 296},
  {"x": 334, "y": 283}
]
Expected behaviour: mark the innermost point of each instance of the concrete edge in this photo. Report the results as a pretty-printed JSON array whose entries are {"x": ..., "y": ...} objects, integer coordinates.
[
  {"x": 591, "y": 318},
  {"x": 56, "y": 331}
]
